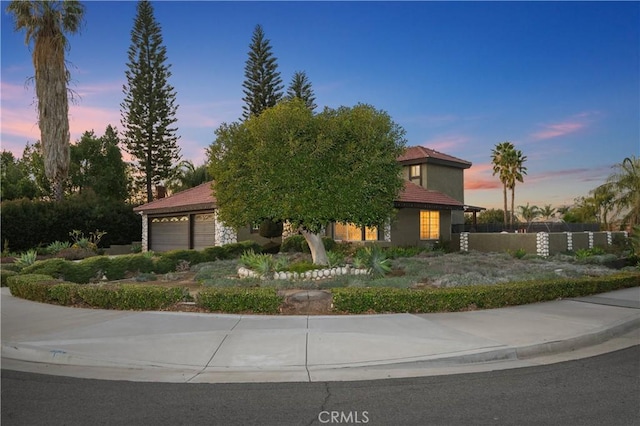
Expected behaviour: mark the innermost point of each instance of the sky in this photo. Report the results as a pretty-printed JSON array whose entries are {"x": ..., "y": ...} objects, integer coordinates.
[{"x": 560, "y": 80}]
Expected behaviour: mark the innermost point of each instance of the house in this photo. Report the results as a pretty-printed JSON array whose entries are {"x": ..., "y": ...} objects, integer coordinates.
[{"x": 431, "y": 202}]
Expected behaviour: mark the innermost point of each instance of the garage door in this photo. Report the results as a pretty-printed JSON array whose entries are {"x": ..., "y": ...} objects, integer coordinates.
[
  {"x": 169, "y": 233},
  {"x": 204, "y": 231}
]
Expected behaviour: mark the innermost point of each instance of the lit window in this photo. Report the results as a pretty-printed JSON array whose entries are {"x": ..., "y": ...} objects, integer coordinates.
[
  {"x": 429, "y": 225},
  {"x": 371, "y": 233},
  {"x": 415, "y": 174},
  {"x": 351, "y": 232}
]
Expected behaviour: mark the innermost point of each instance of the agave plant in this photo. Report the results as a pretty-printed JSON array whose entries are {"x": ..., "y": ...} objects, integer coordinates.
[
  {"x": 374, "y": 259},
  {"x": 57, "y": 246},
  {"x": 26, "y": 259}
]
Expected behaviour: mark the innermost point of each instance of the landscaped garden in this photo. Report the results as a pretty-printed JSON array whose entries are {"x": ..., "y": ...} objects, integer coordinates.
[{"x": 369, "y": 278}]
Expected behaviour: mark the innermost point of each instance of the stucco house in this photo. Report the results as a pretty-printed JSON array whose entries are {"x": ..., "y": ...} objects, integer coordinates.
[{"x": 431, "y": 201}]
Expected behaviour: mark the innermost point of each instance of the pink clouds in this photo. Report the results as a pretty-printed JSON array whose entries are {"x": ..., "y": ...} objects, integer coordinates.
[
  {"x": 446, "y": 143},
  {"x": 480, "y": 176},
  {"x": 574, "y": 124}
]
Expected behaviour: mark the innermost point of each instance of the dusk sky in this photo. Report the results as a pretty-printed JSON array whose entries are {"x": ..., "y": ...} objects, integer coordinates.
[{"x": 561, "y": 80}]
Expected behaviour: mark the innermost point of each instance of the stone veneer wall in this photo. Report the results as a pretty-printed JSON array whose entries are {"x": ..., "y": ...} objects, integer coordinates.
[
  {"x": 145, "y": 232},
  {"x": 223, "y": 234},
  {"x": 545, "y": 243}
]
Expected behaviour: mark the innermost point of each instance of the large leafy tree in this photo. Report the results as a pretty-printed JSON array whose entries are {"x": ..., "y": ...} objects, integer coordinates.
[
  {"x": 262, "y": 84},
  {"x": 625, "y": 182},
  {"x": 288, "y": 164},
  {"x": 300, "y": 87},
  {"x": 15, "y": 181},
  {"x": 46, "y": 24},
  {"x": 149, "y": 107},
  {"x": 97, "y": 165}
]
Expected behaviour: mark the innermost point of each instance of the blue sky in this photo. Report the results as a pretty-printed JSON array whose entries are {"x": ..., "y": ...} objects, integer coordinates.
[{"x": 561, "y": 80}]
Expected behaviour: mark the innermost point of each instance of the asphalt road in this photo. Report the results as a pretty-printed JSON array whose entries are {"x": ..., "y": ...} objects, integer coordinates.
[{"x": 603, "y": 390}]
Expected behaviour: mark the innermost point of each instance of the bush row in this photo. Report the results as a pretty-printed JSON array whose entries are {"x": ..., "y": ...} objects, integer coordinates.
[
  {"x": 235, "y": 300},
  {"x": 382, "y": 300},
  {"x": 45, "y": 289},
  {"x": 27, "y": 224},
  {"x": 116, "y": 268}
]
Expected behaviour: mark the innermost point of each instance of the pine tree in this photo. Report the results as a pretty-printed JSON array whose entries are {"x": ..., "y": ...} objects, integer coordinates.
[
  {"x": 149, "y": 108},
  {"x": 300, "y": 87},
  {"x": 262, "y": 85}
]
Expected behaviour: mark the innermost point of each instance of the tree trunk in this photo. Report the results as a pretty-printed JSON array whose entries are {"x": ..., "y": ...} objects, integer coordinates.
[
  {"x": 513, "y": 195},
  {"x": 504, "y": 193},
  {"x": 318, "y": 252}
]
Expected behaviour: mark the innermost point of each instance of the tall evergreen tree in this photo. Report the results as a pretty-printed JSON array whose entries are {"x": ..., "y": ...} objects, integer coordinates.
[
  {"x": 149, "y": 108},
  {"x": 46, "y": 24},
  {"x": 262, "y": 85},
  {"x": 300, "y": 87}
]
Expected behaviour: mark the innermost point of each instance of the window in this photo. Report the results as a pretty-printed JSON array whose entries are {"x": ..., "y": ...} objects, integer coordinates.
[
  {"x": 415, "y": 174},
  {"x": 429, "y": 225},
  {"x": 351, "y": 232}
]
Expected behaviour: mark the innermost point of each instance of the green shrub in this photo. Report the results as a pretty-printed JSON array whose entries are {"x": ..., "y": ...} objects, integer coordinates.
[
  {"x": 258, "y": 262},
  {"x": 130, "y": 297},
  {"x": 133, "y": 263},
  {"x": 56, "y": 268},
  {"x": 4, "y": 274},
  {"x": 240, "y": 300},
  {"x": 394, "y": 252},
  {"x": 380, "y": 300},
  {"x": 295, "y": 243},
  {"x": 64, "y": 293},
  {"x": 211, "y": 254},
  {"x": 31, "y": 286},
  {"x": 234, "y": 250},
  {"x": 303, "y": 266}
]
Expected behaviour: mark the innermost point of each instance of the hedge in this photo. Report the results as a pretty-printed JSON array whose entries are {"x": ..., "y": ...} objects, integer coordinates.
[
  {"x": 4, "y": 274},
  {"x": 27, "y": 224},
  {"x": 383, "y": 300},
  {"x": 43, "y": 288},
  {"x": 235, "y": 300}
]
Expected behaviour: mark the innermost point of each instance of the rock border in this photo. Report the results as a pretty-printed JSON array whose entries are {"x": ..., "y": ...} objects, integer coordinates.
[{"x": 315, "y": 274}]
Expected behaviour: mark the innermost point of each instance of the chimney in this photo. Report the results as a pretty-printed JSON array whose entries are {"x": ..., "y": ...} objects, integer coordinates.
[{"x": 161, "y": 191}]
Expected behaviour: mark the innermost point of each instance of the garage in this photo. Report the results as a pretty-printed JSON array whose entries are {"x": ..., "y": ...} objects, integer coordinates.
[
  {"x": 169, "y": 233},
  {"x": 204, "y": 234}
]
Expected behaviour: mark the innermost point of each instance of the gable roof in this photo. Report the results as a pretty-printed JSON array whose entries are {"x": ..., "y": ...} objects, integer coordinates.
[
  {"x": 416, "y": 196},
  {"x": 197, "y": 198},
  {"x": 421, "y": 154}
]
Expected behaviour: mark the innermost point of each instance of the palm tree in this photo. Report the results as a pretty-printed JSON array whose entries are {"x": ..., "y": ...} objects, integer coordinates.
[
  {"x": 499, "y": 154},
  {"x": 187, "y": 176},
  {"x": 528, "y": 213},
  {"x": 626, "y": 184},
  {"x": 515, "y": 173},
  {"x": 45, "y": 24},
  {"x": 548, "y": 212},
  {"x": 603, "y": 197}
]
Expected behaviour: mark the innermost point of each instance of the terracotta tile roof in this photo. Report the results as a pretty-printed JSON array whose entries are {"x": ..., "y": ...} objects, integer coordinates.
[
  {"x": 415, "y": 153},
  {"x": 196, "y": 198},
  {"x": 415, "y": 194}
]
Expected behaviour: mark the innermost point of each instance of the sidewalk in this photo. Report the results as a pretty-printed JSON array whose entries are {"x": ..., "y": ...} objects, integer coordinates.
[{"x": 208, "y": 348}]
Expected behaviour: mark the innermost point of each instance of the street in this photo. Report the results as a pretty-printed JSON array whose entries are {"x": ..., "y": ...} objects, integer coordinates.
[{"x": 603, "y": 390}]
